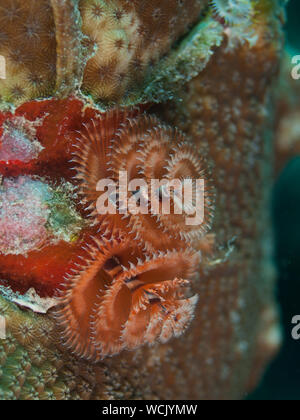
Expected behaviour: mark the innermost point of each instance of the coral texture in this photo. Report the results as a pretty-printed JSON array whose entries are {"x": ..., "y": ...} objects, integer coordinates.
[
  {"x": 190, "y": 93},
  {"x": 128, "y": 38},
  {"x": 120, "y": 40},
  {"x": 28, "y": 44}
]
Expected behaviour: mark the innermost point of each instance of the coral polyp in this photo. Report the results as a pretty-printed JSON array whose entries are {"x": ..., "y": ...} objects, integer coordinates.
[
  {"x": 119, "y": 298},
  {"x": 125, "y": 38},
  {"x": 28, "y": 42}
]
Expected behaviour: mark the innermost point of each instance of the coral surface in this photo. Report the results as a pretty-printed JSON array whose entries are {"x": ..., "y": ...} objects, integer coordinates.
[
  {"x": 28, "y": 44},
  {"x": 163, "y": 89},
  {"x": 128, "y": 38}
]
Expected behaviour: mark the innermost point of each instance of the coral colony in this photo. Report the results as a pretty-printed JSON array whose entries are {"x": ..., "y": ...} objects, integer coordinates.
[{"x": 129, "y": 304}]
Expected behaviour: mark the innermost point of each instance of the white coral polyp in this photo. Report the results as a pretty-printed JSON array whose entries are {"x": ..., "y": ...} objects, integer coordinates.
[{"x": 23, "y": 215}]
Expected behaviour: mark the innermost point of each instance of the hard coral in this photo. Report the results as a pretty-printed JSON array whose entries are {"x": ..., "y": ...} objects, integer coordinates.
[
  {"x": 230, "y": 113},
  {"x": 114, "y": 44},
  {"x": 127, "y": 37},
  {"x": 32, "y": 367},
  {"x": 152, "y": 58},
  {"x": 28, "y": 45}
]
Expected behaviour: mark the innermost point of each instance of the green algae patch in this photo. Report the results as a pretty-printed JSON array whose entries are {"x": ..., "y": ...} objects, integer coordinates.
[{"x": 64, "y": 221}]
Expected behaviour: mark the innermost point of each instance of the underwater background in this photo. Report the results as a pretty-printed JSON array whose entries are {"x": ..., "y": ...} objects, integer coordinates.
[{"x": 282, "y": 380}]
